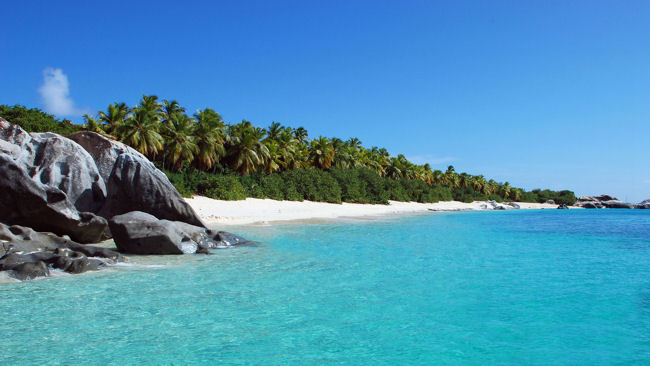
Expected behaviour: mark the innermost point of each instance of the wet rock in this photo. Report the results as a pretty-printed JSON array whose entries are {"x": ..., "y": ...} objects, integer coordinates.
[
  {"x": 21, "y": 246},
  {"x": 226, "y": 239},
  {"x": 563, "y": 206},
  {"x": 141, "y": 233},
  {"x": 30, "y": 270}
]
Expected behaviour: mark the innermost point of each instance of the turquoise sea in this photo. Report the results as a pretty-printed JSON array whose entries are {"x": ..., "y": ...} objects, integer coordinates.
[{"x": 553, "y": 287}]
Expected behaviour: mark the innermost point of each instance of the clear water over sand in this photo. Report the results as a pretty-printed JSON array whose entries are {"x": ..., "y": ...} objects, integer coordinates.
[{"x": 516, "y": 287}]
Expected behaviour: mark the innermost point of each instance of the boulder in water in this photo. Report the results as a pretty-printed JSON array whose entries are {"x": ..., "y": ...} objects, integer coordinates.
[
  {"x": 22, "y": 249},
  {"x": 617, "y": 204},
  {"x": 142, "y": 233}
]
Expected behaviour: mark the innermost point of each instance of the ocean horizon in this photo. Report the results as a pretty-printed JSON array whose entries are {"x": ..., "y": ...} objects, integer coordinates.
[{"x": 533, "y": 287}]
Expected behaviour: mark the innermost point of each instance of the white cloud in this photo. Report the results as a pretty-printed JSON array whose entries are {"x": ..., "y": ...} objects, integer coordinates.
[
  {"x": 55, "y": 92},
  {"x": 431, "y": 159}
]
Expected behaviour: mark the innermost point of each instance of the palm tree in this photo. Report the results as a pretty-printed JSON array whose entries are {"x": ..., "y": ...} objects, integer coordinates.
[
  {"x": 505, "y": 190},
  {"x": 210, "y": 138},
  {"x": 246, "y": 151},
  {"x": 180, "y": 144},
  {"x": 140, "y": 131},
  {"x": 301, "y": 134},
  {"x": 169, "y": 108},
  {"x": 114, "y": 116},
  {"x": 274, "y": 130},
  {"x": 321, "y": 153},
  {"x": 93, "y": 125},
  {"x": 150, "y": 104},
  {"x": 354, "y": 142}
]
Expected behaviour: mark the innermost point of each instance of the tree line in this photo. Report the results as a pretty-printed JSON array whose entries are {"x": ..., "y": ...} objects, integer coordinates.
[{"x": 204, "y": 145}]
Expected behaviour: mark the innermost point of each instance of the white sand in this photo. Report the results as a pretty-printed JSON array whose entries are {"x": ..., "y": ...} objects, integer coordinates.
[{"x": 253, "y": 210}]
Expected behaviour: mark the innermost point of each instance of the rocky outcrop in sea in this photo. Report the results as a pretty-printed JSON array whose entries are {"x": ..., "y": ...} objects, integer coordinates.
[
  {"x": 58, "y": 192},
  {"x": 607, "y": 201}
]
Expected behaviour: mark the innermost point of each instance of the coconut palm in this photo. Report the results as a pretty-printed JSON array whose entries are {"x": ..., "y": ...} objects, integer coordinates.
[
  {"x": 210, "y": 138},
  {"x": 274, "y": 130},
  {"x": 301, "y": 134},
  {"x": 114, "y": 117},
  {"x": 321, "y": 153},
  {"x": 169, "y": 108},
  {"x": 246, "y": 152},
  {"x": 180, "y": 144},
  {"x": 92, "y": 124},
  {"x": 505, "y": 190},
  {"x": 150, "y": 104},
  {"x": 140, "y": 131}
]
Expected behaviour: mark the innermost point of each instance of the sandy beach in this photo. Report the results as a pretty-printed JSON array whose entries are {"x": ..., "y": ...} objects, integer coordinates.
[{"x": 254, "y": 210}]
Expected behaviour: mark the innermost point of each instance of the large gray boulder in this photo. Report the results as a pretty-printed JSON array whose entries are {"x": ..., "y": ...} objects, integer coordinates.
[
  {"x": 56, "y": 162},
  {"x": 617, "y": 204},
  {"x": 142, "y": 233},
  {"x": 133, "y": 182},
  {"x": 28, "y": 202},
  {"x": 49, "y": 183}
]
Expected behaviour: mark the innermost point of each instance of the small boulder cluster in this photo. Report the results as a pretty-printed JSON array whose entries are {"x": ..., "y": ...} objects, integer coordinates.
[
  {"x": 607, "y": 201},
  {"x": 58, "y": 193}
]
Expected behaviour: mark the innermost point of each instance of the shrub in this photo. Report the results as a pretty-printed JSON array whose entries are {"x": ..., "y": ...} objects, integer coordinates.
[
  {"x": 273, "y": 186},
  {"x": 314, "y": 184},
  {"x": 35, "y": 120},
  {"x": 352, "y": 188},
  {"x": 222, "y": 187},
  {"x": 252, "y": 186}
]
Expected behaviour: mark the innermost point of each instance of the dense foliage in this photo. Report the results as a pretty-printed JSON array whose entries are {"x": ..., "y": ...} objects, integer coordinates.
[
  {"x": 35, "y": 120},
  {"x": 204, "y": 155}
]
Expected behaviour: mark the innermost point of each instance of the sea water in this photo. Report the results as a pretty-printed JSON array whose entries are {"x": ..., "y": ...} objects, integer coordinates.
[{"x": 551, "y": 287}]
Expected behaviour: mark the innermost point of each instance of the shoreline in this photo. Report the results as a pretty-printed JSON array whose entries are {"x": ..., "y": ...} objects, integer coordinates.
[{"x": 256, "y": 210}]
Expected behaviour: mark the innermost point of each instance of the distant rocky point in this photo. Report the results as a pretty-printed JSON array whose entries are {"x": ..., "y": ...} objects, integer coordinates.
[{"x": 607, "y": 201}]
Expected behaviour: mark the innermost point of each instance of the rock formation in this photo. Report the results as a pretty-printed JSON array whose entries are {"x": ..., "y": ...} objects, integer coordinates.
[
  {"x": 133, "y": 182},
  {"x": 141, "y": 233},
  {"x": 28, "y": 254}
]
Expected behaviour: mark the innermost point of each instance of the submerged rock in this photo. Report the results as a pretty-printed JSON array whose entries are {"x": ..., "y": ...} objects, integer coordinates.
[
  {"x": 142, "y": 233},
  {"x": 30, "y": 270}
]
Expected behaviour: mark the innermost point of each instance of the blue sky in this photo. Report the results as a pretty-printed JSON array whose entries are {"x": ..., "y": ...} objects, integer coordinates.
[{"x": 539, "y": 93}]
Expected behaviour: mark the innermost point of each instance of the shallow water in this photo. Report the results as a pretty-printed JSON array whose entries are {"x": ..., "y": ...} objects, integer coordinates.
[{"x": 515, "y": 287}]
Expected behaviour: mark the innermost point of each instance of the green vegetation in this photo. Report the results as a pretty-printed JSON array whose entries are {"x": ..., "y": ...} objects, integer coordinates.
[
  {"x": 204, "y": 155},
  {"x": 35, "y": 120}
]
